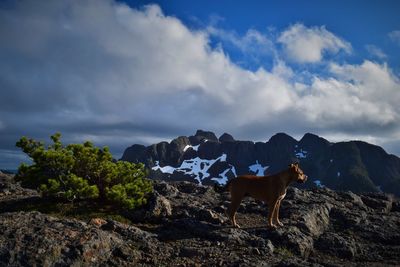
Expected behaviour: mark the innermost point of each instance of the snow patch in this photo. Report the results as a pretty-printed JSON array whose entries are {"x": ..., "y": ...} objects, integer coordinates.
[
  {"x": 165, "y": 169},
  {"x": 302, "y": 154},
  {"x": 319, "y": 184},
  {"x": 198, "y": 168},
  {"x": 195, "y": 148},
  {"x": 222, "y": 178},
  {"x": 258, "y": 169},
  {"x": 234, "y": 171}
]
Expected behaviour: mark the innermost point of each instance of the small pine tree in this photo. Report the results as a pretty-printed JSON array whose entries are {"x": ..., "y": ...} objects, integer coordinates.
[{"x": 82, "y": 171}]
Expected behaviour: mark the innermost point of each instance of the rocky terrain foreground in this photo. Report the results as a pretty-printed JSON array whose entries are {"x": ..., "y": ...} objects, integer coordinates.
[{"x": 184, "y": 225}]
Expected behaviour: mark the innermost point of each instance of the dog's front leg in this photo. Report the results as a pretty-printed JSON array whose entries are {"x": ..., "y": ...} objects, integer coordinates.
[
  {"x": 271, "y": 212},
  {"x": 276, "y": 218}
]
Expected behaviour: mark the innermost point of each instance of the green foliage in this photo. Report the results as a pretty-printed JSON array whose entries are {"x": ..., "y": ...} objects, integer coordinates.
[
  {"x": 284, "y": 252},
  {"x": 82, "y": 171}
]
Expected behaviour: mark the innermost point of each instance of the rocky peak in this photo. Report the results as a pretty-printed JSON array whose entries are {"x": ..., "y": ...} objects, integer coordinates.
[
  {"x": 313, "y": 143},
  {"x": 225, "y": 137},
  {"x": 282, "y": 139},
  {"x": 203, "y": 135},
  {"x": 310, "y": 138},
  {"x": 134, "y": 153},
  {"x": 180, "y": 143}
]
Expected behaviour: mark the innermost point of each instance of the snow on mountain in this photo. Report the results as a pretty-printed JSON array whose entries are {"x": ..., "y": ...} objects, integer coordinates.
[
  {"x": 223, "y": 179},
  {"x": 258, "y": 169},
  {"x": 165, "y": 169},
  {"x": 302, "y": 154},
  {"x": 195, "y": 148},
  {"x": 319, "y": 184},
  {"x": 197, "y": 168}
]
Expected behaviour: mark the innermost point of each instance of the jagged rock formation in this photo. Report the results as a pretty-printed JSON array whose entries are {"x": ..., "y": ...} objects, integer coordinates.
[
  {"x": 184, "y": 225},
  {"x": 354, "y": 165}
]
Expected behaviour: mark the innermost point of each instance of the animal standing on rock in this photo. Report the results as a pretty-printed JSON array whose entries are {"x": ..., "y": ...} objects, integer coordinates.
[{"x": 270, "y": 189}]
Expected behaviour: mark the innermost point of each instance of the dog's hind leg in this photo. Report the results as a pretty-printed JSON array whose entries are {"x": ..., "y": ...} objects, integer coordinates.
[
  {"x": 271, "y": 213},
  {"x": 232, "y": 210}
]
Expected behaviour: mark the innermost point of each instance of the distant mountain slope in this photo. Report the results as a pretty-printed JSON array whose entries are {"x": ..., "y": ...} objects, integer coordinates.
[{"x": 353, "y": 165}]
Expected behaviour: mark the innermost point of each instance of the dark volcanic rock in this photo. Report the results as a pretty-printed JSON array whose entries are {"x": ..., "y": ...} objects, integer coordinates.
[
  {"x": 202, "y": 136},
  {"x": 35, "y": 239},
  {"x": 209, "y": 150},
  {"x": 312, "y": 142},
  {"x": 185, "y": 225},
  {"x": 225, "y": 137},
  {"x": 281, "y": 151},
  {"x": 12, "y": 192},
  {"x": 356, "y": 166},
  {"x": 135, "y": 153},
  {"x": 240, "y": 154},
  {"x": 336, "y": 245}
]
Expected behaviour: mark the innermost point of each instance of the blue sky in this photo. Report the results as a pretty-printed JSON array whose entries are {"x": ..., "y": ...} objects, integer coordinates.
[
  {"x": 362, "y": 23},
  {"x": 125, "y": 72}
]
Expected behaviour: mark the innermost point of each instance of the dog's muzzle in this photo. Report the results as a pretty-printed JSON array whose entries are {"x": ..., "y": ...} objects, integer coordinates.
[{"x": 301, "y": 181}]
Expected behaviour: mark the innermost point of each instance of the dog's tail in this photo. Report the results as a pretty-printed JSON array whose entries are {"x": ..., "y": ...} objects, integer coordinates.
[{"x": 222, "y": 188}]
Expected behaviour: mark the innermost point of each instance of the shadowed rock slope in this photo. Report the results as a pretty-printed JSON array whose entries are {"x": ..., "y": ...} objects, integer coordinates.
[{"x": 184, "y": 225}]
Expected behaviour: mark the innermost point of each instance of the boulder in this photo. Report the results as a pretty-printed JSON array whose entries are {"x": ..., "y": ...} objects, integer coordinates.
[
  {"x": 336, "y": 245},
  {"x": 35, "y": 239},
  {"x": 157, "y": 208}
]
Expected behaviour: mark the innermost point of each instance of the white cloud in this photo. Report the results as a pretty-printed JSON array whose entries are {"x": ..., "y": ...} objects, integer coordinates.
[
  {"x": 357, "y": 98},
  {"x": 308, "y": 45},
  {"x": 252, "y": 41},
  {"x": 395, "y": 36},
  {"x": 119, "y": 75},
  {"x": 375, "y": 51}
]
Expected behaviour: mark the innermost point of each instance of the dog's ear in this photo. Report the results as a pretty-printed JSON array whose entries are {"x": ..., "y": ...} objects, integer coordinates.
[
  {"x": 291, "y": 165},
  {"x": 296, "y": 163}
]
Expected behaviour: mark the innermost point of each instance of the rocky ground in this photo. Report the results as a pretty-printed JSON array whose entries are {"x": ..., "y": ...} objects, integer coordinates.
[{"x": 184, "y": 225}]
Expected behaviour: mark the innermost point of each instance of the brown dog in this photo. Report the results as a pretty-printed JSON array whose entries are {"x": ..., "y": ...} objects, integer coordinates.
[{"x": 270, "y": 189}]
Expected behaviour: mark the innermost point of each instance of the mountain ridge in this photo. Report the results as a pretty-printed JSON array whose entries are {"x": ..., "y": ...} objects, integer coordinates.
[{"x": 350, "y": 165}]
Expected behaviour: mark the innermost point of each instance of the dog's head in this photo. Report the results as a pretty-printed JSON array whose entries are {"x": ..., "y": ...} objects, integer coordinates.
[{"x": 297, "y": 173}]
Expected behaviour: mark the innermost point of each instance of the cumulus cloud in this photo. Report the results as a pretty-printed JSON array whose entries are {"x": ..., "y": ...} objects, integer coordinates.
[
  {"x": 356, "y": 98},
  {"x": 375, "y": 51},
  {"x": 308, "y": 45},
  {"x": 252, "y": 41},
  {"x": 104, "y": 71}
]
